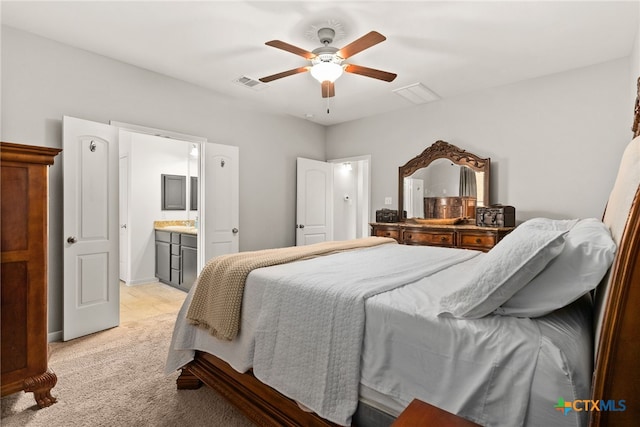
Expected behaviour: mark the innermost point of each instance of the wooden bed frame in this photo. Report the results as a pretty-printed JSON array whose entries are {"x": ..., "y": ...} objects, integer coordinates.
[{"x": 616, "y": 374}]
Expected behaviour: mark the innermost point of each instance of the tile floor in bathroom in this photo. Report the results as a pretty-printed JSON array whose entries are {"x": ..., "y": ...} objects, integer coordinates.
[{"x": 148, "y": 300}]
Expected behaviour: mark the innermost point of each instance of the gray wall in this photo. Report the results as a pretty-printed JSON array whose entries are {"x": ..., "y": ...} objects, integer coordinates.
[
  {"x": 43, "y": 80},
  {"x": 554, "y": 142}
]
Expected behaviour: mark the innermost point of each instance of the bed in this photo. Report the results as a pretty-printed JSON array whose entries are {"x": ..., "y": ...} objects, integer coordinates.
[{"x": 436, "y": 327}]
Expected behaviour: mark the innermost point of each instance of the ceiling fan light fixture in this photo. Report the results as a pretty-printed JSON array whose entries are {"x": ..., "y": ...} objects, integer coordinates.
[
  {"x": 326, "y": 71},
  {"x": 326, "y": 61}
]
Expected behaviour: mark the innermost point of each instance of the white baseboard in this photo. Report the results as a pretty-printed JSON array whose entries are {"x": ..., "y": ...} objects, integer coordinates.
[
  {"x": 142, "y": 281},
  {"x": 54, "y": 336}
]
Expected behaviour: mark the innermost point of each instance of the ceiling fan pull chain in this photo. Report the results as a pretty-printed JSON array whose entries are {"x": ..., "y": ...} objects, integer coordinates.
[{"x": 328, "y": 98}]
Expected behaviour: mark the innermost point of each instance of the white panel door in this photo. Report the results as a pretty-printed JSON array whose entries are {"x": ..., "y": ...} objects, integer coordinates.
[
  {"x": 90, "y": 225},
  {"x": 221, "y": 175},
  {"x": 124, "y": 219},
  {"x": 314, "y": 212}
]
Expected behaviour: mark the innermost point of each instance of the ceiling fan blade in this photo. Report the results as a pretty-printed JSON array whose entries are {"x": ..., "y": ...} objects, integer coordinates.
[
  {"x": 364, "y": 42},
  {"x": 284, "y": 74},
  {"x": 291, "y": 48},
  {"x": 370, "y": 72},
  {"x": 328, "y": 89}
]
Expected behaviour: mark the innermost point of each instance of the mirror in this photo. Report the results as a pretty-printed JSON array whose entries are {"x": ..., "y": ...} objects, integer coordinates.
[
  {"x": 442, "y": 182},
  {"x": 193, "y": 191}
]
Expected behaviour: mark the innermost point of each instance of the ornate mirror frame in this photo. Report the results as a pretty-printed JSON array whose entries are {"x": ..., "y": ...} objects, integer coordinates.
[{"x": 443, "y": 150}]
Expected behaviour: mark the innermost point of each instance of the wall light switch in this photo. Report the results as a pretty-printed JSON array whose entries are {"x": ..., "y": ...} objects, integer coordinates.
[{"x": 387, "y": 200}]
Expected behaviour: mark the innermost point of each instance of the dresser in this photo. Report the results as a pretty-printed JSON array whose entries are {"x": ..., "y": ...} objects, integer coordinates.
[
  {"x": 454, "y": 236},
  {"x": 23, "y": 242}
]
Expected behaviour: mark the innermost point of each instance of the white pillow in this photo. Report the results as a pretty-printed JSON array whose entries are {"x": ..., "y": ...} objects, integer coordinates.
[
  {"x": 505, "y": 269},
  {"x": 587, "y": 254},
  {"x": 552, "y": 224}
]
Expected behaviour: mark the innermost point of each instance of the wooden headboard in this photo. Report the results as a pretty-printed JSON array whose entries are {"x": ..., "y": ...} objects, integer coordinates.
[
  {"x": 636, "y": 120},
  {"x": 617, "y": 370}
]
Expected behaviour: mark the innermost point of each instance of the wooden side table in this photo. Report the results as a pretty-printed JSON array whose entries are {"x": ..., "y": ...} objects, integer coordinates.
[{"x": 421, "y": 414}]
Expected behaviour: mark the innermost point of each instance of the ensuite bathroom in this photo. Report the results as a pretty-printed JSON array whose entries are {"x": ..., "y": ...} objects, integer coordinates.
[{"x": 158, "y": 191}]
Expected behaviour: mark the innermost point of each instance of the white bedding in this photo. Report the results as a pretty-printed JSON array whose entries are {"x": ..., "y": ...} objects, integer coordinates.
[
  {"x": 308, "y": 338},
  {"x": 481, "y": 387},
  {"x": 482, "y": 369},
  {"x": 238, "y": 353}
]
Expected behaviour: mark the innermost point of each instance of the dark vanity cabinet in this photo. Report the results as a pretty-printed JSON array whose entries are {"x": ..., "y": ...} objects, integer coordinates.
[
  {"x": 176, "y": 258},
  {"x": 163, "y": 256},
  {"x": 189, "y": 256}
]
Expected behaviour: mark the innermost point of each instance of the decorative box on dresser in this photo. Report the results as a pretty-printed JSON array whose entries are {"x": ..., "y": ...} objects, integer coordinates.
[
  {"x": 23, "y": 298},
  {"x": 455, "y": 236}
]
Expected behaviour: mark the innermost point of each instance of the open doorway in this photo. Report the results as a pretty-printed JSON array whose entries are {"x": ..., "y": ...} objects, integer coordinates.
[
  {"x": 144, "y": 160},
  {"x": 351, "y": 197},
  {"x": 333, "y": 199},
  {"x": 92, "y": 223}
]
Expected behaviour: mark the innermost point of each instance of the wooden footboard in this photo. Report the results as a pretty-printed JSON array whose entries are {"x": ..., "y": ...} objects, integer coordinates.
[{"x": 260, "y": 403}]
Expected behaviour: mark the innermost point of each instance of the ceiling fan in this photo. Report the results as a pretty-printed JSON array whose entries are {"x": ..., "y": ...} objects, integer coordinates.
[{"x": 326, "y": 61}]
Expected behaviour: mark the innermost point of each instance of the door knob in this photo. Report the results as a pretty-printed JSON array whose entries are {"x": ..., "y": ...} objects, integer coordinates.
[
  {"x": 72, "y": 240},
  {"x": 234, "y": 231},
  {"x": 301, "y": 226},
  {"x": 123, "y": 226}
]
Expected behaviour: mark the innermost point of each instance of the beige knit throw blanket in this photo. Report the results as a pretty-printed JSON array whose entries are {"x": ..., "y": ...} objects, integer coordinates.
[{"x": 217, "y": 299}]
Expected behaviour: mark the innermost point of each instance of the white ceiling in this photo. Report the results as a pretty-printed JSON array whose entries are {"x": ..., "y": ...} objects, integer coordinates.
[{"x": 450, "y": 47}]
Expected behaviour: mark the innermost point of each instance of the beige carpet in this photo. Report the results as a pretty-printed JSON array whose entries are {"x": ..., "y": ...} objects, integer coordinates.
[{"x": 116, "y": 378}]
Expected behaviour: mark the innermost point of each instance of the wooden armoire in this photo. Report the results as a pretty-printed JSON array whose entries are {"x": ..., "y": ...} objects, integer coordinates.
[{"x": 24, "y": 217}]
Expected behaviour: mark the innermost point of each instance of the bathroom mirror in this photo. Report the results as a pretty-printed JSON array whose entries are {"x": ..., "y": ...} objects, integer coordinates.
[{"x": 174, "y": 192}]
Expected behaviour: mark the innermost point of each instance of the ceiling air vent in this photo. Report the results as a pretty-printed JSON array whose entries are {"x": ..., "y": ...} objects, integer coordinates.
[
  {"x": 250, "y": 83},
  {"x": 417, "y": 93}
]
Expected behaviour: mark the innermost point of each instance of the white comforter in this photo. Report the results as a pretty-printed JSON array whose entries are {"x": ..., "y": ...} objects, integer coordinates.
[
  {"x": 311, "y": 325},
  {"x": 474, "y": 347},
  {"x": 481, "y": 369}
]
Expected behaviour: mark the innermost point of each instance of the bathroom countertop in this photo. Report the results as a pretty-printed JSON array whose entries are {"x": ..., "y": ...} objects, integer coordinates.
[{"x": 187, "y": 227}]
